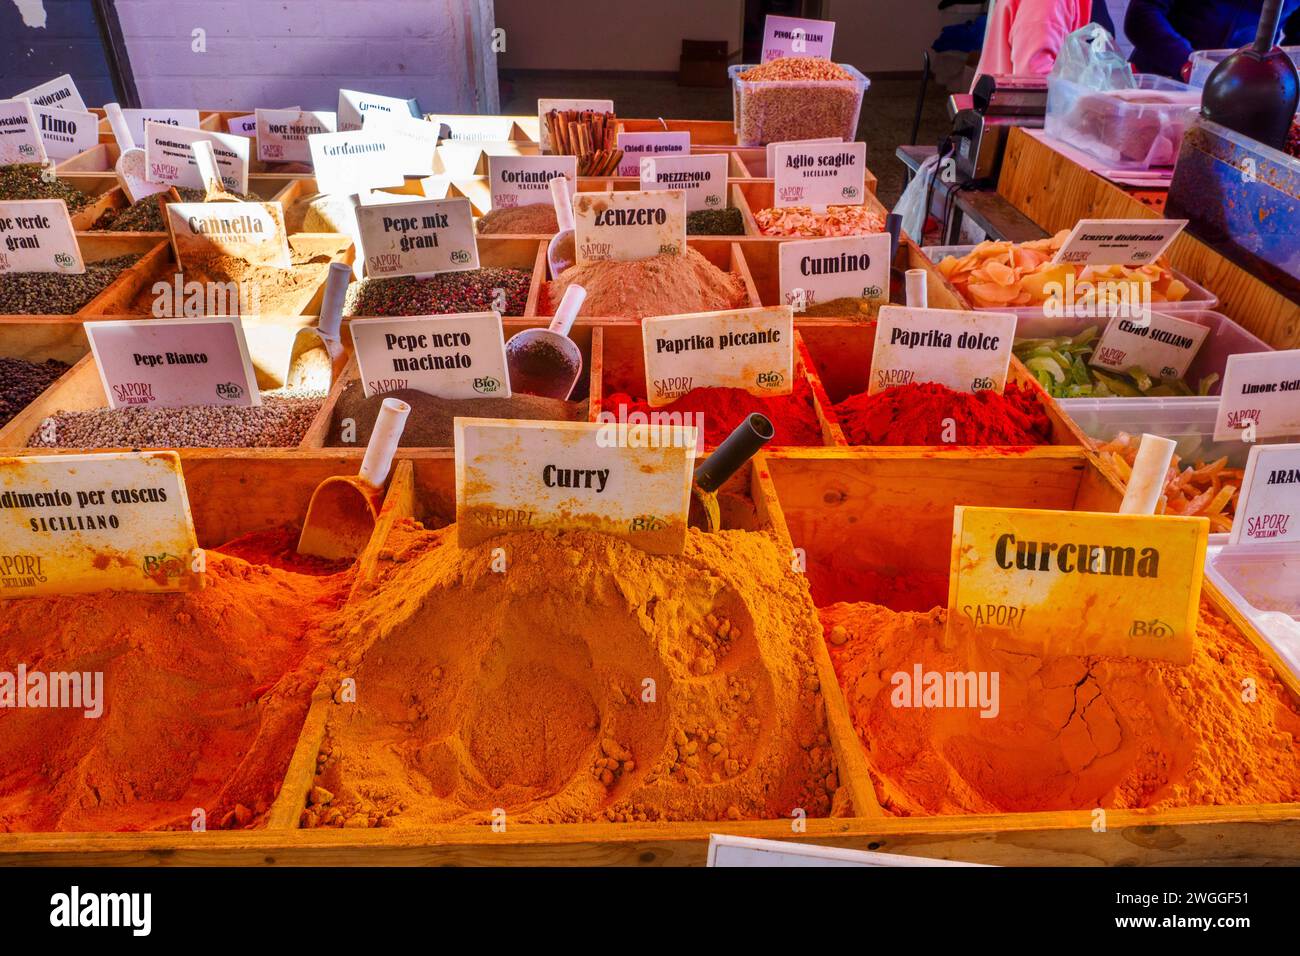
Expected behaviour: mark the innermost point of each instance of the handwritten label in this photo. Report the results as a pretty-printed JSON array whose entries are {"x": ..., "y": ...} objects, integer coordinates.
[
  {"x": 282, "y": 134},
  {"x": 572, "y": 476},
  {"x": 770, "y": 149},
  {"x": 525, "y": 180},
  {"x": 638, "y": 146},
  {"x": 135, "y": 120},
  {"x": 1118, "y": 242},
  {"x": 1076, "y": 583},
  {"x": 355, "y": 106},
  {"x": 796, "y": 36},
  {"x": 73, "y": 524},
  {"x": 815, "y": 271},
  {"x": 966, "y": 351},
  {"x": 546, "y": 104},
  {"x": 59, "y": 93},
  {"x": 752, "y": 349},
  {"x": 252, "y": 231},
  {"x": 417, "y": 238},
  {"x": 20, "y": 140},
  {"x": 170, "y": 363},
  {"x": 472, "y": 129},
  {"x": 1261, "y": 390},
  {"x": 702, "y": 179},
  {"x": 629, "y": 225},
  {"x": 451, "y": 356},
  {"x": 356, "y": 161},
  {"x": 36, "y": 235},
  {"x": 830, "y": 174},
  {"x": 169, "y": 156},
  {"x": 1162, "y": 347},
  {"x": 66, "y": 132},
  {"x": 1268, "y": 508},
  {"x": 418, "y": 139}
]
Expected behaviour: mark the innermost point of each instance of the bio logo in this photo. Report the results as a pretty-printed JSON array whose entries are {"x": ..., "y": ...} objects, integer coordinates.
[
  {"x": 772, "y": 379},
  {"x": 486, "y": 385},
  {"x": 849, "y": 192},
  {"x": 163, "y": 566},
  {"x": 1152, "y": 628},
  {"x": 646, "y": 523},
  {"x": 460, "y": 256},
  {"x": 229, "y": 390}
]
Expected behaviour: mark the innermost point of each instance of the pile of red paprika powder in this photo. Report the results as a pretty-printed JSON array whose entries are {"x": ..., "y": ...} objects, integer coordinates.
[{"x": 933, "y": 414}]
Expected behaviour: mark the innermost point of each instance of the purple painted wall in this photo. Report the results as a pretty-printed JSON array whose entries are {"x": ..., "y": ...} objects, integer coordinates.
[{"x": 278, "y": 53}]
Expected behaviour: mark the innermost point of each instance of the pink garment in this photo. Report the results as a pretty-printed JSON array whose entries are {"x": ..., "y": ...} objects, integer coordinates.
[{"x": 1024, "y": 36}]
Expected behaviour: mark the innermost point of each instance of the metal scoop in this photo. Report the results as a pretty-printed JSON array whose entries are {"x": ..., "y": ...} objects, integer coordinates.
[
  {"x": 546, "y": 361},
  {"x": 316, "y": 349},
  {"x": 560, "y": 252},
  {"x": 130, "y": 166},
  {"x": 738, "y": 447},
  {"x": 343, "y": 510}
]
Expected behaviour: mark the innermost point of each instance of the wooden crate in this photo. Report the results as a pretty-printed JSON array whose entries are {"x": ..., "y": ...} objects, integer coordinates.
[
  {"x": 39, "y": 340},
  {"x": 752, "y": 195},
  {"x": 92, "y": 171},
  {"x": 98, "y": 246},
  {"x": 1055, "y": 192}
]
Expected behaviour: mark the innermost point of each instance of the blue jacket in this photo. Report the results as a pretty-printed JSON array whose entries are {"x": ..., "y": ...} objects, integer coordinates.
[{"x": 1165, "y": 32}]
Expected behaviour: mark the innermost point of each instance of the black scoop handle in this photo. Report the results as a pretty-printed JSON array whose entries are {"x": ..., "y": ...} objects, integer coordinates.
[{"x": 740, "y": 446}]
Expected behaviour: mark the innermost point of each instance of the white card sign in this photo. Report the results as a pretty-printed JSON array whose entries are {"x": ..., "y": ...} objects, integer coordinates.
[
  {"x": 563, "y": 476},
  {"x": 243, "y": 125},
  {"x": 816, "y": 271},
  {"x": 451, "y": 356},
  {"x": 1261, "y": 390},
  {"x": 66, "y": 132},
  {"x": 1163, "y": 347},
  {"x": 628, "y": 225},
  {"x": 1268, "y": 507},
  {"x": 796, "y": 36},
  {"x": 638, "y": 146},
  {"x": 282, "y": 134},
  {"x": 1118, "y": 242},
  {"x": 171, "y": 363},
  {"x": 417, "y": 238},
  {"x": 355, "y": 106},
  {"x": 473, "y": 129},
  {"x": 702, "y": 179},
  {"x": 526, "y": 180},
  {"x": 169, "y": 156},
  {"x": 59, "y": 93},
  {"x": 820, "y": 174},
  {"x": 545, "y": 105},
  {"x": 20, "y": 139},
  {"x": 770, "y": 149},
  {"x": 751, "y": 349},
  {"x": 36, "y": 235},
  {"x": 966, "y": 351},
  {"x": 419, "y": 139},
  {"x": 252, "y": 231},
  {"x": 135, "y": 120},
  {"x": 356, "y": 161},
  {"x": 73, "y": 524}
]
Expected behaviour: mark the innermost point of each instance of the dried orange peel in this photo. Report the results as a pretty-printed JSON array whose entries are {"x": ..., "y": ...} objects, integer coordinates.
[
  {"x": 1208, "y": 490},
  {"x": 1009, "y": 275}
]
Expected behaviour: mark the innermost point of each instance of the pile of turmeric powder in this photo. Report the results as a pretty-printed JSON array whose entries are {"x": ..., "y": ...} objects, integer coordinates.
[
  {"x": 563, "y": 678},
  {"x": 203, "y": 697},
  {"x": 1064, "y": 733}
]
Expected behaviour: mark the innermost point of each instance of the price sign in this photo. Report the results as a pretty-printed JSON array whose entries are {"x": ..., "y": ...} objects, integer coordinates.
[
  {"x": 1261, "y": 392},
  {"x": 796, "y": 36},
  {"x": 701, "y": 179},
  {"x": 169, "y": 156},
  {"x": 1268, "y": 508},
  {"x": 252, "y": 231},
  {"x": 829, "y": 174},
  {"x": 36, "y": 235},
  {"x": 814, "y": 271},
  {"x": 417, "y": 238},
  {"x": 1163, "y": 346}
]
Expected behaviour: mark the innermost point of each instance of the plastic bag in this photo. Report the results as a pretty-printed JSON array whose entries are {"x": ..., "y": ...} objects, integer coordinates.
[
  {"x": 1090, "y": 58},
  {"x": 912, "y": 204}
]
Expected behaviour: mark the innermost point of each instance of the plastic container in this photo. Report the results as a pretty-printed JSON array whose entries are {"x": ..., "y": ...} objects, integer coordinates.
[
  {"x": 1263, "y": 582},
  {"x": 774, "y": 111},
  {"x": 1031, "y": 323},
  {"x": 1204, "y": 61},
  {"x": 1125, "y": 129}
]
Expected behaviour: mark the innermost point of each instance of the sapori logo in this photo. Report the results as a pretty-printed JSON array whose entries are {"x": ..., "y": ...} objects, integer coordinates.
[
  {"x": 770, "y": 379},
  {"x": 229, "y": 390},
  {"x": 486, "y": 385},
  {"x": 1152, "y": 628}
]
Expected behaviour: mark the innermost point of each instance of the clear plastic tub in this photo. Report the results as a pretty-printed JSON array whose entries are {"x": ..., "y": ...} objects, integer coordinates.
[
  {"x": 1125, "y": 129},
  {"x": 1031, "y": 323},
  {"x": 1263, "y": 582},
  {"x": 774, "y": 111},
  {"x": 1204, "y": 62}
]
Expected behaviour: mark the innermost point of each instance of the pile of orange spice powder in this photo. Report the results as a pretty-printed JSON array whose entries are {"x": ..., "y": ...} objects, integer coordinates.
[
  {"x": 1070, "y": 733},
  {"x": 204, "y": 694}
]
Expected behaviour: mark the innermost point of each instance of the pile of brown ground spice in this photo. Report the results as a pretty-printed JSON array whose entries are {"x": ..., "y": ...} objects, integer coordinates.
[
  {"x": 659, "y": 285},
  {"x": 262, "y": 289},
  {"x": 844, "y": 308},
  {"x": 534, "y": 219},
  {"x": 588, "y": 682},
  {"x": 431, "y": 422}
]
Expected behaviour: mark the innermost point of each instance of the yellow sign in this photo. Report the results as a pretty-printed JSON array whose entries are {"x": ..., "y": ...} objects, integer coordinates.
[
  {"x": 1058, "y": 583},
  {"x": 632, "y": 481}
]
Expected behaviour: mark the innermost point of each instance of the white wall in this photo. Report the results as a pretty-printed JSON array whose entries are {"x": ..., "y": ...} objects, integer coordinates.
[
  {"x": 299, "y": 52},
  {"x": 631, "y": 35}
]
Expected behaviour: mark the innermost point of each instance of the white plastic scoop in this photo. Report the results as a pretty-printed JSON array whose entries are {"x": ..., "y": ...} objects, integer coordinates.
[
  {"x": 918, "y": 295},
  {"x": 319, "y": 351},
  {"x": 343, "y": 510},
  {"x": 1147, "y": 482},
  {"x": 130, "y": 167},
  {"x": 546, "y": 361},
  {"x": 560, "y": 253}
]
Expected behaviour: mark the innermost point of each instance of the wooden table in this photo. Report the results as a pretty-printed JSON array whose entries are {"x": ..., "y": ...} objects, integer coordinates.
[{"x": 988, "y": 210}]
